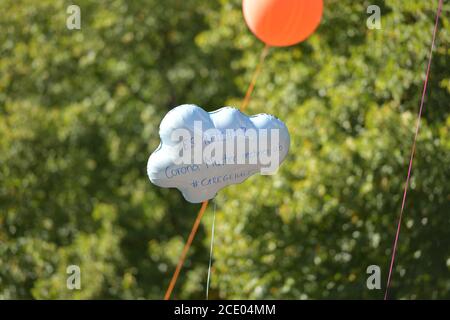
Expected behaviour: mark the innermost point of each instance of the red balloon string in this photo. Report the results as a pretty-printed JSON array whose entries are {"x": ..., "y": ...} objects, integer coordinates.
[
  {"x": 413, "y": 150},
  {"x": 202, "y": 210}
]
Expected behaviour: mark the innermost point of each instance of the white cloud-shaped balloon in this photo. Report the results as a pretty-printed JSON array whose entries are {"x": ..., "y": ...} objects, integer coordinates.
[{"x": 201, "y": 153}]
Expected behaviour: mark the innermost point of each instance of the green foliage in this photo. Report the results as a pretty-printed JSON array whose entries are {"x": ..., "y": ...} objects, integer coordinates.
[{"x": 79, "y": 116}]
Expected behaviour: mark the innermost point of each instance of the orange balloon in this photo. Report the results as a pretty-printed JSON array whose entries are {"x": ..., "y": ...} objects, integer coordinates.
[{"x": 282, "y": 22}]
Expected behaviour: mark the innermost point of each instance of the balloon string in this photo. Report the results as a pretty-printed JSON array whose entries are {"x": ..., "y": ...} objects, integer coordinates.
[
  {"x": 419, "y": 117},
  {"x": 205, "y": 203},
  {"x": 185, "y": 250},
  {"x": 248, "y": 94},
  {"x": 211, "y": 251}
]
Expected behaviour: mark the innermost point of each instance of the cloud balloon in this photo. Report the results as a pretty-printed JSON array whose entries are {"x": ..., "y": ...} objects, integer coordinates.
[{"x": 202, "y": 152}]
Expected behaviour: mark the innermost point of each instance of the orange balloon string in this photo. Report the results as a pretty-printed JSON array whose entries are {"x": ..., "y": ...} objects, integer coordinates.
[
  {"x": 248, "y": 94},
  {"x": 185, "y": 250},
  {"x": 200, "y": 214}
]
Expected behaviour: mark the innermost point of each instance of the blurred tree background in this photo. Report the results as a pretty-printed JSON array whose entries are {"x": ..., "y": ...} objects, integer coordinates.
[{"x": 79, "y": 116}]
